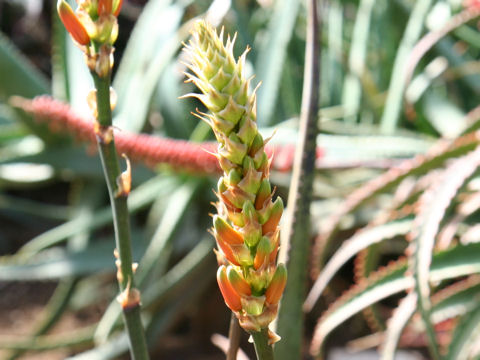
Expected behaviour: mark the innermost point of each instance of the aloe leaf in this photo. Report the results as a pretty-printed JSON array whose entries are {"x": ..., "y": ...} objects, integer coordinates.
[
  {"x": 19, "y": 77},
  {"x": 115, "y": 347},
  {"x": 167, "y": 297},
  {"x": 456, "y": 299},
  {"x": 34, "y": 208},
  {"x": 163, "y": 236},
  {"x": 154, "y": 41},
  {"x": 48, "y": 342},
  {"x": 396, "y": 88},
  {"x": 60, "y": 85},
  {"x": 272, "y": 56},
  {"x": 56, "y": 264},
  {"x": 420, "y": 165},
  {"x": 449, "y": 264},
  {"x": 433, "y": 205},
  {"x": 350, "y": 248},
  {"x": 465, "y": 336},
  {"x": 138, "y": 199},
  {"x": 295, "y": 252},
  {"x": 396, "y": 324},
  {"x": 176, "y": 208},
  {"x": 352, "y": 92}
]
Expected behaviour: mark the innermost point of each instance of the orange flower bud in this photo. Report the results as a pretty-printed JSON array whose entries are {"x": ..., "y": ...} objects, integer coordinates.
[
  {"x": 263, "y": 253},
  {"x": 72, "y": 23},
  {"x": 273, "y": 254},
  {"x": 117, "y": 7},
  {"x": 275, "y": 215},
  {"x": 238, "y": 282},
  {"x": 226, "y": 232},
  {"x": 227, "y": 251},
  {"x": 104, "y": 7},
  {"x": 232, "y": 299},
  {"x": 263, "y": 194},
  {"x": 277, "y": 285}
]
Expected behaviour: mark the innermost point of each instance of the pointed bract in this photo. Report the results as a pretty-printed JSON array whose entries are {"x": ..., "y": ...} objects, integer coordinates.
[{"x": 71, "y": 22}]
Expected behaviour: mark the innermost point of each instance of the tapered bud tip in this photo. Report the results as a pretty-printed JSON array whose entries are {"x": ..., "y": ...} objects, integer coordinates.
[
  {"x": 238, "y": 282},
  {"x": 277, "y": 285},
  {"x": 232, "y": 299},
  {"x": 275, "y": 216},
  {"x": 117, "y": 6},
  {"x": 226, "y": 232},
  {"x": 263, "y": 252},
  {"x": 104, "y": 7},
  {"x": 72, "y": 23}
]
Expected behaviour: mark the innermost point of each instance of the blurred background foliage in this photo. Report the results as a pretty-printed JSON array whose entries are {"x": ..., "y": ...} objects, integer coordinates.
[{"x": 386, "y": 97}]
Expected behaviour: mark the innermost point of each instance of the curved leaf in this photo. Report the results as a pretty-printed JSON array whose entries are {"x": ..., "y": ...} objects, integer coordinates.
[
  {"x": 449, "y": 264},
  {"x": 350, "y": 248},
  {"x": 433, "y": 205}
]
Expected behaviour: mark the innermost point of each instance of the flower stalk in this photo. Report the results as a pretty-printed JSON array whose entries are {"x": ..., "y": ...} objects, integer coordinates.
[
  {"x": 246, "y": 225},
  {"x": 94, "y": 28}
]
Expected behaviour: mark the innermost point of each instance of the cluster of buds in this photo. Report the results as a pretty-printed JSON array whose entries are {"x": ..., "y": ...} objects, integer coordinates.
[
  {"x": 94, "y": 28},
  {"x": 246, "y": 227}
]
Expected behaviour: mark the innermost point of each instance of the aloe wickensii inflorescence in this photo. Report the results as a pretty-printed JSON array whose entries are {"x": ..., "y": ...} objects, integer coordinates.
[{"x": 246, "y": 225}]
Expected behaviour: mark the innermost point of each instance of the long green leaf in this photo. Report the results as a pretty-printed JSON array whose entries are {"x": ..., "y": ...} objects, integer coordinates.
[
  {"x": 272, "y": 55},
  {"x": 397, "y": 83},
  {"x": 138, "y": 199},
  {"x": 19, "y": 77},
  {"x": 154, "y": 40}
]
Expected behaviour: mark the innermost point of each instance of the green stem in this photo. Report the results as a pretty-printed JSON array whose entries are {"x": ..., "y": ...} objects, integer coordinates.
[
  {"x": 234, "y": 334},
  {"x": 111, "y": 168},
  {"x": 263, "y": 350}
]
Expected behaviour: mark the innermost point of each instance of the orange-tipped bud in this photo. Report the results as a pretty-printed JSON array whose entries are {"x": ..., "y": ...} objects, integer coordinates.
[
  {"x": 277, "y": 285},
  {"x": 273, "y": 254},
  {"x": 117, "y": 7},
  {"x": 226, "y": 232},
  {"x": 238, "y": 282},
  {"x": 275, "y": 215},
  {"x": 263, "y": 253},
  {"x": 263, "y": 194},
  {"x": 72, "y": 23},
  {"x": 232, "y": 299},
  {"x": 104, "y": 7},
  {"x": 227, "y": 251}
]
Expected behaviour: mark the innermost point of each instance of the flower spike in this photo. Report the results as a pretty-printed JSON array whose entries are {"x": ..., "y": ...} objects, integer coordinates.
[{"x": 246, "y": 227}]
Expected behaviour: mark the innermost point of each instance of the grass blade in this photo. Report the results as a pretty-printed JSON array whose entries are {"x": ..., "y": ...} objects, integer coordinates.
[{"x": 272, "y": 57}]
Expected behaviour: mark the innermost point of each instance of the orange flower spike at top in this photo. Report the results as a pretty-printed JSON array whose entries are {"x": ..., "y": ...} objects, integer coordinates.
[{"x": 72, "y": 23}]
